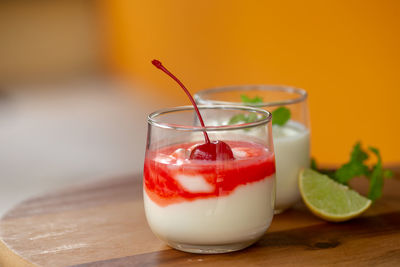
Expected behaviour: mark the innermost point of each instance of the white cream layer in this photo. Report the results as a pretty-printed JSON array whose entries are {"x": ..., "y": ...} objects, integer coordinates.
[
  {"x": 243, "y": 215},
  {"x": 292, "y": 152}
]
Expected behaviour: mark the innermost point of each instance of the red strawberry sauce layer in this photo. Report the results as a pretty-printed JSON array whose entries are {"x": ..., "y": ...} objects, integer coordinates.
[{"x": 251, "y": 164}]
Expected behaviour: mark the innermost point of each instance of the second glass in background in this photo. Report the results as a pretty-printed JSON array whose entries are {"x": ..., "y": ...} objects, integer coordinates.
[{"x": 291, "y": 140}]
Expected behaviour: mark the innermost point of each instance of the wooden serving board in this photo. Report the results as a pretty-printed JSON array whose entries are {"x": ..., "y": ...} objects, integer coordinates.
[{"x": 103, "y": 224}]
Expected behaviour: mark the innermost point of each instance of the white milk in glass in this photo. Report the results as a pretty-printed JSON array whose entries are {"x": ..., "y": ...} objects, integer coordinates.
[{"x": 292, "y": 153}]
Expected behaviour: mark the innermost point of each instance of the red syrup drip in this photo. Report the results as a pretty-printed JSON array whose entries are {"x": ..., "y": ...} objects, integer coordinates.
[
  {"x": 163, "y": 188},
  {"x": 215, "y": 150}
]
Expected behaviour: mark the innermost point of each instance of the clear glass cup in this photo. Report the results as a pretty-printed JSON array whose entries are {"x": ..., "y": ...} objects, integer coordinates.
[
  {"x": 291, "y": 141},
  {"x": 206, "y": 206}
]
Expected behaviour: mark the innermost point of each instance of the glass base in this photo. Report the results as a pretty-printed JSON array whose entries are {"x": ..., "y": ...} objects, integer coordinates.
[{"x": 210, "y": 249}]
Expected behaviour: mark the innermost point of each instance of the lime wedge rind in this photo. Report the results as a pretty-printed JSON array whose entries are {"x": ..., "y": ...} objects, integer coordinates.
[{"x": 328, "y": 199}]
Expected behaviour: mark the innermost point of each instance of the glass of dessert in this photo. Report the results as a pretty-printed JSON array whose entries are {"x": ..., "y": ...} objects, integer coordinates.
[
  {"x": 208, "y": 187},
  {"x": 290, "y": 129}
]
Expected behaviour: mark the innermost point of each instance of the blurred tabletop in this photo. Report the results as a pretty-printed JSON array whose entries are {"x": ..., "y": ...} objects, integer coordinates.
[{"x": 102, "y": 223}]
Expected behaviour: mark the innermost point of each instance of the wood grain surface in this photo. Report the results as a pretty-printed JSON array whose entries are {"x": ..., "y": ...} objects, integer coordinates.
[{"x": 103, "y": 224}]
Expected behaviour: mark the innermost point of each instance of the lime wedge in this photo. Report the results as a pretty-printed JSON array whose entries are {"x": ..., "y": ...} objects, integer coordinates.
[{"x": 328, "y": 199}]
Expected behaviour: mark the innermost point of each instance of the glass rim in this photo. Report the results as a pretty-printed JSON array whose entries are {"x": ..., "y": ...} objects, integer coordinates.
[
  {"x": 264, "y": 120},
  {"x": 302, "y": 94}
]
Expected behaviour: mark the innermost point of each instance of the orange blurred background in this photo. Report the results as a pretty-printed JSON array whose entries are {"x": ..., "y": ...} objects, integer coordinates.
[
  {"x": 344, "y": 53},
  {"x": 76, "y": 81}
]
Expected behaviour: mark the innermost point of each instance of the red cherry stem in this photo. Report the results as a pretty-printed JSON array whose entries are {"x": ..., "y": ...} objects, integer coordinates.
[{"x": 160, "y": 66}]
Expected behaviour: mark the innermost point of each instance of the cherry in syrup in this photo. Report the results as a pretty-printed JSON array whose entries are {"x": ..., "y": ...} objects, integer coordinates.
[{"x": 210, "y": 150}]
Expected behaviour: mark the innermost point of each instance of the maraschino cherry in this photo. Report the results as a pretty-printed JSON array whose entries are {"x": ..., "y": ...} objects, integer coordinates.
[{"x": 211, "y": 150}]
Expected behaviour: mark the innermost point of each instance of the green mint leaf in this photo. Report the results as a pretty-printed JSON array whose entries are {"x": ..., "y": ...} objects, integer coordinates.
[
  {"x": 247, "y": 100},
  {"x": 280, "y": 116},
  {"x": 238, "y": 118},
  {"x": 376, "y": 177},
  {"x": 358, "y": 155},
  {"x": 387, "y": 174},
  {"x": 350, "y": 170},
  {"x": 251, "y": 117},
  {"x": 241, "y": 118},
  {"x": 375, "y": 185},
  {"x": 355, "y": 167}
]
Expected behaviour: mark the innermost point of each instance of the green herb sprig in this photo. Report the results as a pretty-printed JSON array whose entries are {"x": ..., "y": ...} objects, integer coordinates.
[
  {"x": 357, "y": 167},
  {"x": 280, "y": 116},
  {"x": 247, "y": 100}
]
